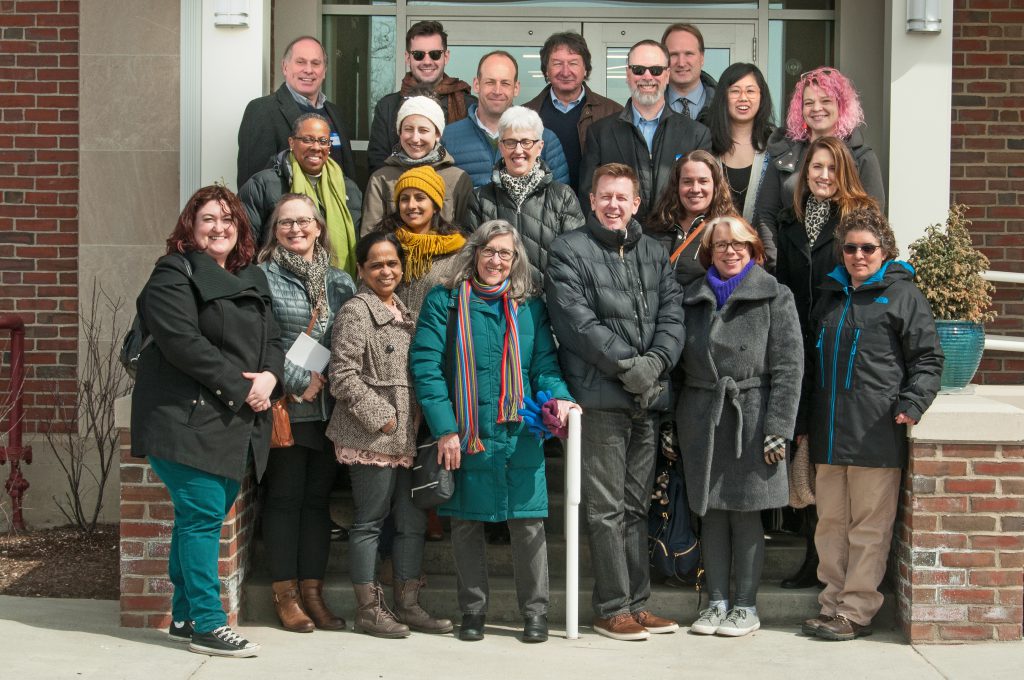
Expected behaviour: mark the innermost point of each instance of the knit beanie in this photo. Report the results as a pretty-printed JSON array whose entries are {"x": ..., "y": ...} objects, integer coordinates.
[
  {"x": 424, "y": 178},
  {"x": 423, "y": 106}
]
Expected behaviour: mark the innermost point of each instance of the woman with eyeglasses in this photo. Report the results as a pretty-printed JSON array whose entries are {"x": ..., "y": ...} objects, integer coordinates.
[
  {"x": 875, "y": 370},
  {"x": 524, "y": 192},
  {"x": 742, "y": 364},
  {"x": 306, "y": 293},
  {"x": 695, "y": 194},
  {"x": 420, "y": 123},
  {"x": 824, "y": 104},
  {"x": 483, "y": 345}
]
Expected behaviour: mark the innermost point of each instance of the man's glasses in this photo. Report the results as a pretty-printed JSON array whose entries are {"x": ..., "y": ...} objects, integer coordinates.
[
  {"x": 321, "y": 141},
  {"x": 638, "y": 70},
  {"x": 287, "y": 223},
  {"x": 511, "y": 144},
  {"x": 418, "y": 55},
  {"x": 867, "y": 248}
]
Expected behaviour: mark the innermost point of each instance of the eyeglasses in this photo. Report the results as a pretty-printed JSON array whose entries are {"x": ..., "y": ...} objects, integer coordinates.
[
  {"x": 638, "y": 70},
  {"x": 503, "y": 255},
  {"x": 419, "y": 54},
  {"x": 302, "y": 222},
  {"x": 815, "y": 72},
  {"x": 321, "y": 141},
  {"x": 723, "y": 246},
  {"x": 866, "y": 248},
  {"x": 511, "y": 144}
]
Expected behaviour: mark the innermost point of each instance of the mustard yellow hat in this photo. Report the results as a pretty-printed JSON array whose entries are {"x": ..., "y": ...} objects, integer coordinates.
[{"x": 424, "y": 178}]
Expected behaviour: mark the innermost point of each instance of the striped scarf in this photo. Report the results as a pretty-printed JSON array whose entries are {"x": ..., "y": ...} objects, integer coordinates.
[{"x": 510, "y": 398}]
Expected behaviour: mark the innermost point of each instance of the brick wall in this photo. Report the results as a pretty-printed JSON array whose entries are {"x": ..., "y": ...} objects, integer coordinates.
[
  {"x": 987, "y": 166},
  {"x": 147, "y": 517},
  {"x": 959, "y": 543},
  {"x": 39, "y": 191}
]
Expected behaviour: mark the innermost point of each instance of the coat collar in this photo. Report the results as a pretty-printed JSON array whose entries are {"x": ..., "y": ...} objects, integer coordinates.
[
  {"x": 613, "y": 240},
  {"x": 544, "y": 181},
  {"x": 757, "y": 285},
  {"x": 379, "y": 312},
  {"x": 213, "y": 281},
  {"x": 889, "y": 272}
]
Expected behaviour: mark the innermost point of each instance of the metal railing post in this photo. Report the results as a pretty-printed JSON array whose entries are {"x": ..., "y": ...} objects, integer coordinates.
[
  {"x": 572, "y": 528},
  {"x": 14, "y": 453}
]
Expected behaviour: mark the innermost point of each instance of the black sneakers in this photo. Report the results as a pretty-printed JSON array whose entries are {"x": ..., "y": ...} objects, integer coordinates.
[
  {"x": 180, "y": 631},
  {"x": 222, "y": 642}
]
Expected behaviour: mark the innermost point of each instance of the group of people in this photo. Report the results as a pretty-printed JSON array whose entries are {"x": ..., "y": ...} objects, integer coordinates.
[{"x": 675, "y": 264}]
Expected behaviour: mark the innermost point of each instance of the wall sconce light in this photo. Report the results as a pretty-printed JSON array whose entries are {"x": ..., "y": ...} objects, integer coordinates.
[
  {"x": 231, "y": 13},
  {"x": 924, "y": 16}
]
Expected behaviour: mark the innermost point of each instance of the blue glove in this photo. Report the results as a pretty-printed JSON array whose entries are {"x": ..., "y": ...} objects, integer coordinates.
[{"x": 532, "y": 416}]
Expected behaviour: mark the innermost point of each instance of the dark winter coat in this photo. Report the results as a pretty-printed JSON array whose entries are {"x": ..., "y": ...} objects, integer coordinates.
[
  {"x": 742, "y": 369},
  {"x": 549, "y": 211},
  {"x": 263, "y": 190},
  {"x": 267, "y": 124},
  {"x": 188, "y": 405},
  {"x": 506, "y": 480},
  {"x": 687, "y": 267},
  {"x": 877, "y": 355},
  {"x": 803, "y": 268},
  {"x": 293, "y": 312},
  {"x": 383, "y": 132},
  {"x": 616, "y": 140},
  {"x": 612, "y": 296}
]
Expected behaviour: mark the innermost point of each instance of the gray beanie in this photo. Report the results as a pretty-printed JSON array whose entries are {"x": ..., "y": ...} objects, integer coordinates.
[{"x": 423, "y": 106}]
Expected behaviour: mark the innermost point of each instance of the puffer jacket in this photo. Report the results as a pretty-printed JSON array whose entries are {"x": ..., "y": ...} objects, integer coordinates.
[
  {"x": 549, "y": 211},
  {"x": 612, "y": 296},
  {"x": 475, "y": 153},
  {"x": 263, "y": 190},
  {"x": 292, "y": 312},
  {"x": 877, "y": 355}
]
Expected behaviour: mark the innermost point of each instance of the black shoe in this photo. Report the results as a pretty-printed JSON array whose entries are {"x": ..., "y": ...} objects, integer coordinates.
[
  {"x": 180, "y": 631},
  {"x": 222, "y": 642},
  {"x": 472, "y": 628},
  {"x": 338, "y": 532},
  {"x": 806, "y": 576},
  {"x": 535, "y": 628}
]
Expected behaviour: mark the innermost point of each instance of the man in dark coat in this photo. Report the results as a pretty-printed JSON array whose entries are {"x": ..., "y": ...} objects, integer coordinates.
[
  {"x": 426, "y": 55},
  {"x": 267, "y": 121},
  {"x": 616, "y": 311},
  {"x": 690, "y": 89},
  {"x": 647, "y": 135},
  {"x": 566, "y": 106}
]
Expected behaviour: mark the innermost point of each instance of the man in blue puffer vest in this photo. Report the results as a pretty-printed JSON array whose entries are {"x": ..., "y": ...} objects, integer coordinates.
[{"x": 473, "y": 141}]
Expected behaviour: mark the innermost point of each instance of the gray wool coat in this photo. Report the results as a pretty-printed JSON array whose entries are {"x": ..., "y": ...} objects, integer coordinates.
[{"x": 743, "y": 365}]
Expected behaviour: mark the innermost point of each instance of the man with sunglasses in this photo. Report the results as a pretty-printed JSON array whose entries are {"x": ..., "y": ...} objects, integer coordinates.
[
  {"x": 690, "y": 88},
  {"x": 267, "y": 122},
  {"x": 426, "y": 55},
  {"x": 647, "y": 135}
]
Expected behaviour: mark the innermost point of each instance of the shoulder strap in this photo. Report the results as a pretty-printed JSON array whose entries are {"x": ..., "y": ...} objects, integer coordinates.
[{"x": 687, "y": 241}]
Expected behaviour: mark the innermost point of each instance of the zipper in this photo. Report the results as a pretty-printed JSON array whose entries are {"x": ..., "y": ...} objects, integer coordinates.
[
  {"x": 835, "y": 367},
  {"x": 821, "y": 355},
  {"x": 853, "y": 355}
]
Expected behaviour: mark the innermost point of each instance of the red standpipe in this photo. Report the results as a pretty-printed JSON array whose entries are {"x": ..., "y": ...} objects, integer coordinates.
[{"x": 14, "y": 452}]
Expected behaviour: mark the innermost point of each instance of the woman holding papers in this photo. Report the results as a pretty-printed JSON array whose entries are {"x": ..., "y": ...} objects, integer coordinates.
[{"x": 306, "y": 292}]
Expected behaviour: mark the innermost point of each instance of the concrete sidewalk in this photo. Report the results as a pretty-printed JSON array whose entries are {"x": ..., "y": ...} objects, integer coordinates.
[{"x": 57, "y": 639}]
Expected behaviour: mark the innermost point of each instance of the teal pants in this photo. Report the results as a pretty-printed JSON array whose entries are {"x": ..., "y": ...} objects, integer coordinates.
[{"x": 201, "y": 502}]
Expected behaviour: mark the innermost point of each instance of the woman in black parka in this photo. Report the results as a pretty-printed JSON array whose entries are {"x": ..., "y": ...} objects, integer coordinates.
[
  {"x": 201, "y": 403},
  {"x": 875, "y": 370}
]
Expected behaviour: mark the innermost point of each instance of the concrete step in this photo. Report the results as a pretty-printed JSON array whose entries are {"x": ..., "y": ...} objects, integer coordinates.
[{"x": 776, "y": 607}]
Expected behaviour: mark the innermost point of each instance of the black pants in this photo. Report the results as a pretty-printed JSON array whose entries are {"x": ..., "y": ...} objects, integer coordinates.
[
  {"x": 733, "y": 540},
  {"x": 296, "y": 511}
]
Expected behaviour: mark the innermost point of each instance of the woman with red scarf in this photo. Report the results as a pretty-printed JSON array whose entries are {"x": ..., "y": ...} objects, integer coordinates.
[{"x": 471, "y": 388}]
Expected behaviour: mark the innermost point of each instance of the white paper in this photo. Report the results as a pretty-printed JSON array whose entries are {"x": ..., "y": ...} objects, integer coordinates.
[{"x": 309, "y": 354}]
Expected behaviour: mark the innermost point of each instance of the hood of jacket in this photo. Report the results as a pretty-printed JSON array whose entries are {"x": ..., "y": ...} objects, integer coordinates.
[{"x": 890, "y": 272}]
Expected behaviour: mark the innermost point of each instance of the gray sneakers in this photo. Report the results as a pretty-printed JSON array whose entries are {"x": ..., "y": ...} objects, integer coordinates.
[
  {"x": 739, "y": 622},
  {"x": 709, "y": 621}
]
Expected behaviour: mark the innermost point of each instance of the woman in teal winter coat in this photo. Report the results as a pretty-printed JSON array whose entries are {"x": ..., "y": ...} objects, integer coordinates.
[{"x": 483, "y": 344}]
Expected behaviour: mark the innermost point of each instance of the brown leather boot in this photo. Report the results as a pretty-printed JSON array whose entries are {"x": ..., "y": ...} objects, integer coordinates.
[
  {"x": 313, "y": 600},
  {"x": 372, "y": 614},
  {"x": 409, "y": 611},
  {"x": 289, "y": 607}
]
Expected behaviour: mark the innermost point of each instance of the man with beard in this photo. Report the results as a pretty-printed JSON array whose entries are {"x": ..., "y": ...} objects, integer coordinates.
[
  {"x": 647, "y": 135},
  {"x": 426, "y": 55}
]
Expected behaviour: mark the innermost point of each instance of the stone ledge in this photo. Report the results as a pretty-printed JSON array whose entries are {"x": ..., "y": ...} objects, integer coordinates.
[{"x": 989, "y": 414}]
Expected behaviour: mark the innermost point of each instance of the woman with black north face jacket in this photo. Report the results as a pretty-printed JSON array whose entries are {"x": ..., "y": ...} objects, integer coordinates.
[{"x": 875, "y": 370}]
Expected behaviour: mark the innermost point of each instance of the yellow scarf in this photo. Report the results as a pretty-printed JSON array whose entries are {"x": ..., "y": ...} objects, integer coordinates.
[
  {"x": 329, "y": 194},
  {"x": 421, "y": 249}
]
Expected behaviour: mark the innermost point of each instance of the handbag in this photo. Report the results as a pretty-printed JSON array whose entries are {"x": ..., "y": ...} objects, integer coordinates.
[
  {"x": 801, "y": 477},
  {"x": 673, "y": 545},
  {"x": 281, "y": 431},
  {"x": 432, "y": 485},
  {"x": 137, "y": 338}
]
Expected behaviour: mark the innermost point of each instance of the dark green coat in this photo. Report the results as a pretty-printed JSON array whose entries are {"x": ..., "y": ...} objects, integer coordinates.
[
  {"x": 188, "y": 405},
  {"x": 506, "y": 480}
]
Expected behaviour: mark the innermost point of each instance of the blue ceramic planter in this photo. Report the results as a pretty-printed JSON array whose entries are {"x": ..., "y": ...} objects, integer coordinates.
[{"x": 963, "y": 343}]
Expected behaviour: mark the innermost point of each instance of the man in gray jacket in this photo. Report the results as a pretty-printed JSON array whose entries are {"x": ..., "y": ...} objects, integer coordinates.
[{"x": 616, "y": 311}]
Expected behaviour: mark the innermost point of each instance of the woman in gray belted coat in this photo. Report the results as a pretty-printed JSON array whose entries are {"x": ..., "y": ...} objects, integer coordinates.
[{"x": 743, "y": 362}]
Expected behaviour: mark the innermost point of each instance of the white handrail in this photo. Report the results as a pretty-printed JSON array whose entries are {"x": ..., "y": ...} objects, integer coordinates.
[
  {"x": 1004, "y": 343},
  {"x": 1002, "y": 277},
  {"x": 572, "y": 528}
]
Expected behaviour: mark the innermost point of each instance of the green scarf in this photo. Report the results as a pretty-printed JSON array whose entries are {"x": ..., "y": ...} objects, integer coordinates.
[{"x": 329, "y": 194}]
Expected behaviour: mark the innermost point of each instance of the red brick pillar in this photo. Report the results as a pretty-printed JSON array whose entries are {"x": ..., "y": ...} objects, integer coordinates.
[
  {"x": 147, "y": 516},
  {"x": 960, "y": 542}
]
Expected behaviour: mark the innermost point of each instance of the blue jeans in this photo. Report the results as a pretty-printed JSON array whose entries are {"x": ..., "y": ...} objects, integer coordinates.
[
  {"x": 619, "y": 449},
  {"x": 201, "y": 502}
]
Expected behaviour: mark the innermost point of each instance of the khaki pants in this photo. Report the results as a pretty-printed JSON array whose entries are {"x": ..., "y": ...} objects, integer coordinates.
[{"x": 856, "y": 513}]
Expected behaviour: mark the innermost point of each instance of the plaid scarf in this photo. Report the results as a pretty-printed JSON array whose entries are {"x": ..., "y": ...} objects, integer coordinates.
[{"x": 510, "y": 396}]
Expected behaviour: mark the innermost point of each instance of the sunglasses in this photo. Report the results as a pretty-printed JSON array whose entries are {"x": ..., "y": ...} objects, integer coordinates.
[
  {"x": 810, "y": 75},
  {"x": 638, "y": 70},
  {"x": 866, "y": 248},
  {"x": 418, "y": 55}
]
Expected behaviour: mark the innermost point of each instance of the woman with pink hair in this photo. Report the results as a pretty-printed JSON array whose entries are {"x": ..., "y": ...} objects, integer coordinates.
[{"x": 824, "y": 104}]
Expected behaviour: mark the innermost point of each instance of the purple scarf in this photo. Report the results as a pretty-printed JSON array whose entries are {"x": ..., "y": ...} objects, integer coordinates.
[{"x": 724, "y": 288}]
